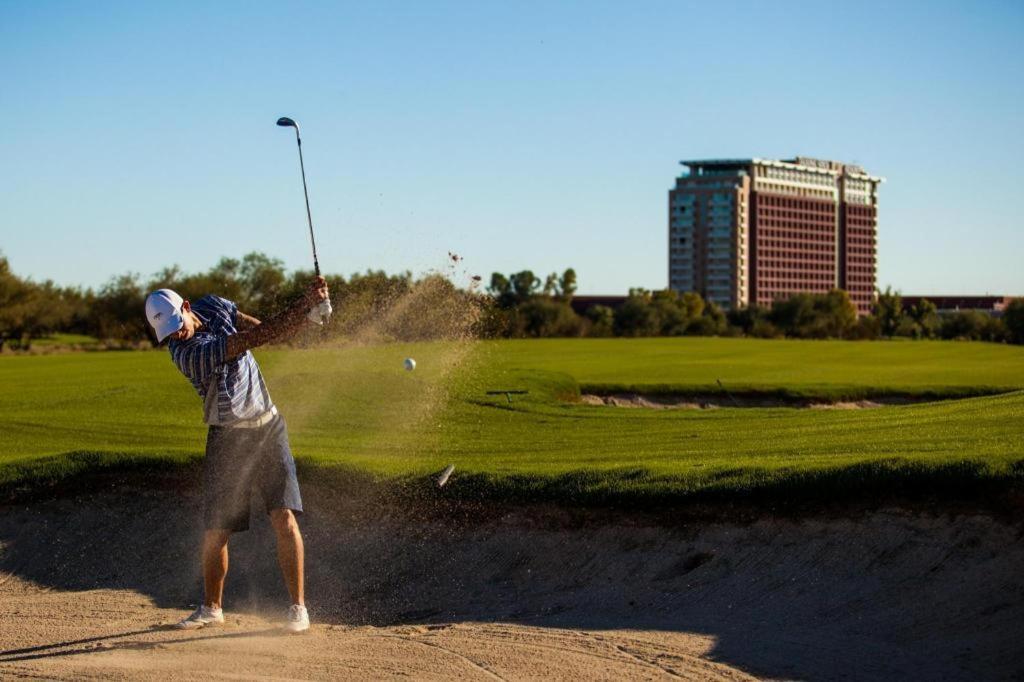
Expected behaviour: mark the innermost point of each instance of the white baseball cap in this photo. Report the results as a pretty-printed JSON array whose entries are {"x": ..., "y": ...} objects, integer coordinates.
[{"x": 163, "y": 310}]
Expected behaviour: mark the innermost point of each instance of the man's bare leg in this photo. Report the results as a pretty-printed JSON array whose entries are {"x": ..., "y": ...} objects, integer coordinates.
[
  {"x": 290, "y": 552},
  {"x": 215, "y": 566}
]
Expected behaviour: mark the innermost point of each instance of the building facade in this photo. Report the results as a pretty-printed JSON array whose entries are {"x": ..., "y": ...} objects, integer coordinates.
[{"x": 748, "y": 231}]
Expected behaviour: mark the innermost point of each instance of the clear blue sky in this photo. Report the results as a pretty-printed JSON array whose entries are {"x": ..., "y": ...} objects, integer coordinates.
[{"x": 521, "y": 135}]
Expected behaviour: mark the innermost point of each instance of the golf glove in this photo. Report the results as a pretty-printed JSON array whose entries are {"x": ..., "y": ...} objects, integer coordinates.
[{"x": 320, "y": 313}]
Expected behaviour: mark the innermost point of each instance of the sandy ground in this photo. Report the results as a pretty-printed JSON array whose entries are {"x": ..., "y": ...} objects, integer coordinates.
[
  {"x": 106, "y": 634},
  {"x": 87, "y": 586}
]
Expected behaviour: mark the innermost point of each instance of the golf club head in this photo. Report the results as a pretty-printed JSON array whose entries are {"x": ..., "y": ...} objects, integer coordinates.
[{"x": 287, "y": 122}]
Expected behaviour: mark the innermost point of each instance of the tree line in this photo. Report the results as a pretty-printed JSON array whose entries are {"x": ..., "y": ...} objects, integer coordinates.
[
  {"x": 371, "y": 303},
  {"x": 525, "y": 308},
  {"x": 517, "y": 305}
]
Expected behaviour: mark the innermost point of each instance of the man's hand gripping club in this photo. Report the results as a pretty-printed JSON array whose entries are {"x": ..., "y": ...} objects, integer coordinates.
[{"x": 322, "y": 311}]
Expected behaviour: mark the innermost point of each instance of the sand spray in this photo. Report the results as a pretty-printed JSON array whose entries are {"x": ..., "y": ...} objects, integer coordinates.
[{"x": 326, "y": 386}]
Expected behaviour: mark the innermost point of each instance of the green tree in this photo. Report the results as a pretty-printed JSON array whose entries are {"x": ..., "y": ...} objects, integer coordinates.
[
  {"x": 602, "y": 320},
  {"x": 692, "y": 304},
  {"x": 545, "y": 317},
  {"x": 567, "y": 284},
  {"x": 13, "y": 295},
  {"x": 551, "y": 285},
  {"x": 1013, "y": 319},
  {"x": 80, "y": 304},
  {"x": 888, "y": 309},
  {"x": 794, "y": 316},
  {"x": 925, "y": 317},
  {"x": 712, "y": 321},
  {"x": 168, "y": 278},
  {"x": 764, "y": 329},
  {"x": 29, "y": 310},
  {"x": 866, "y": 329},
  {"x": 524, "y": 285},
  {"x": 48, "y": 310},
  {"x": 837, "y": 314},
  {"x": 815, "y": 316},
  {"x": 636, "y": 316},
  {"x": 501, "y": 289},
  {"x": 744, "y": 319},
  {"x": 671, "y": 316},
  {"x": 263, "y": 280},
  {"x": 119, "y": 310},
  {"x": 223, "y": 279},
  {"x": 968, "y": 325}
]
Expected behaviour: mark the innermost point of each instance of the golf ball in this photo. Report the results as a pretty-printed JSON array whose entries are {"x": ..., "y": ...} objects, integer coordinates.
[{"x": 410, "y": 364}]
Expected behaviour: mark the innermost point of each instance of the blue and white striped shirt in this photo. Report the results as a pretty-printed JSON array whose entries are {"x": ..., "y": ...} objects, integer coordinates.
[{"x": 231, "y": 389}]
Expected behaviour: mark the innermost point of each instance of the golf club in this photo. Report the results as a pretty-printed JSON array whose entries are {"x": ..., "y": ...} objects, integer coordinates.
[{"x": 323, "y": 311}]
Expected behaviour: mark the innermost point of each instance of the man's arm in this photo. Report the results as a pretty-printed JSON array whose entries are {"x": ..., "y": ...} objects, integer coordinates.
[
  {"x": 286, "y": 323},
  {"x": 245, "y": 322}
]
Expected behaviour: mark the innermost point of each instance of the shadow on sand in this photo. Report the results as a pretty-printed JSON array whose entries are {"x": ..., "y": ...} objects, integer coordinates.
[
  {"x": 883, "y": 595},
  {"x": 110, "y": 642}
]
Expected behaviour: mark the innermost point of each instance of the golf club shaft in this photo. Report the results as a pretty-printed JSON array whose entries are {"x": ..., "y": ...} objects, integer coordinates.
[{"x": 309, "y": 216}]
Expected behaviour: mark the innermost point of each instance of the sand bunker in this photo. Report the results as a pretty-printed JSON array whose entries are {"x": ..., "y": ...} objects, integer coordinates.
[
  {"x": 712, "y": 401},
  {"x": 511, "y": 594}
]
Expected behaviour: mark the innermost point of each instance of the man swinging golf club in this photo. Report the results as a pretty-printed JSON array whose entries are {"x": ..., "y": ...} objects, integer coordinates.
[{"x": 247, "y": 447}]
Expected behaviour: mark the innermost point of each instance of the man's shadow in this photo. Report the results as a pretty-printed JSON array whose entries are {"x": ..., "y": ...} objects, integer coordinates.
[{"x": 108, "y": 642}]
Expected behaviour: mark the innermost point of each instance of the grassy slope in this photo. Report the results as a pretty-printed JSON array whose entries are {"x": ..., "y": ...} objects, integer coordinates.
[
  {"x": 356, "y": 406},
  {"x": 816, "y": 367}
]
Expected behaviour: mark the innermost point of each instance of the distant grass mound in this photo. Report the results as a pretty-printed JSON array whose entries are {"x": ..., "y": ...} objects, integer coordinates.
[
  {"x": 354, "y": 407},
  {"x": 59, "y": 342}
]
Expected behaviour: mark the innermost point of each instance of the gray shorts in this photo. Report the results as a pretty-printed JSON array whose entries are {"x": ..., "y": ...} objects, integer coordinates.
[{"x": 242, "y": 462}]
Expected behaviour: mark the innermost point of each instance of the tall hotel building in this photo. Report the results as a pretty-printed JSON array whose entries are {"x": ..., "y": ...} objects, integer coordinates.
[{"x": 749, "y": 231}]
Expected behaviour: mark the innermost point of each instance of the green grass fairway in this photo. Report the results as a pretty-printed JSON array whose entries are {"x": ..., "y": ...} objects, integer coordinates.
[
  {"x": 818, "y": 368},
  {"x": 67, "y": 340},
  {"x": 357, "y": 407}
]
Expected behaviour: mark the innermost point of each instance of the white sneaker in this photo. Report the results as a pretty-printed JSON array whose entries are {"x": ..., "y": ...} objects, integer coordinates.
[
  {"x": 201, "y": 617},
  {"x": 298, "y": 619}
]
